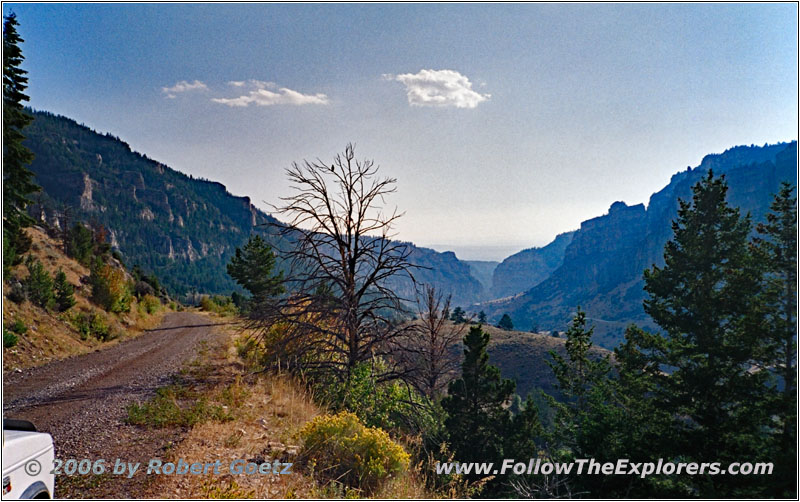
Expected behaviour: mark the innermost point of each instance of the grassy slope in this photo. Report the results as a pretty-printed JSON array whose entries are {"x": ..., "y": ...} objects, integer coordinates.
[
  {"x": 50, "y": 335},
  {"x": 523, "y": 357}
]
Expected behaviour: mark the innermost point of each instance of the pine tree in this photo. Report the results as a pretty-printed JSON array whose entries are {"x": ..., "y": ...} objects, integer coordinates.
[
  {"x": 17, "y": 179},
  {"x": 482, "y": 317},
  {"x": 252, "y": 267},
  {"x": 63, "y": 292},
  {"x": 578, "y": 376},
  {"x": 458, "y": 316},
  {"x": 477, "y": 419},
  {"x": 39, "y": 284},
  {"x": 704, "y": 299},
  {"x": 506, "y": 323},
  {"x": 777, "y": 250}
]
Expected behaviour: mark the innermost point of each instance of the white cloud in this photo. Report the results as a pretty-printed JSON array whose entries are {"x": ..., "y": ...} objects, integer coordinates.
[
  {"x": 184, "y": 86},
  {"x": 439, "y": 88},
  {"x": 261, "y": 95}
]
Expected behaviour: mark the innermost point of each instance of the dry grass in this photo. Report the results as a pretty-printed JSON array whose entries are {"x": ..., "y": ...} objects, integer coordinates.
[
  {"x": 50, "y": 335},
  {"x": 268, "y": 413}
]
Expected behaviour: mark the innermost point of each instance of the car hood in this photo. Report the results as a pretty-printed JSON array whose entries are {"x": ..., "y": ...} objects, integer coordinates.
[{"x": 20, "y": 446}]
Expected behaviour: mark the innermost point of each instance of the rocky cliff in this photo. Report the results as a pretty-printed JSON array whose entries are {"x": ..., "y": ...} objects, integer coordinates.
[{"x": 603, "y": 264}]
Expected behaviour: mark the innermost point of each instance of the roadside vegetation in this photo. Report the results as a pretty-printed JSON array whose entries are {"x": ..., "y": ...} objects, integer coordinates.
[{"x": 55, "y": 307}]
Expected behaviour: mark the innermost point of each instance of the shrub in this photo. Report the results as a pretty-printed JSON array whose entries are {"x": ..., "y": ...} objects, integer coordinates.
[
  {"x": 221, "y": 305},
  {"x": 150, "y": 304},
  {"x": 339, "y": 447},
  {"x": 110, "y": 289},
  {"x": 89, "y": 324},
  {"x": 9, "y": 339},
  {"x": 63, "y": 292},
  {"x": 388, "y": 405},
  {"x": 19, "y": 327},
  {"x": 39, "y": 284}
]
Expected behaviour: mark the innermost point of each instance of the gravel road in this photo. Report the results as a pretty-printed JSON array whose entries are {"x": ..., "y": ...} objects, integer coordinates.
[{"x": 81, "y": 401}]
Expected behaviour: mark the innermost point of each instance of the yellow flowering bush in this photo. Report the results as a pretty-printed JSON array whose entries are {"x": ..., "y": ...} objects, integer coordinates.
[{"x": 341, "y": 448}]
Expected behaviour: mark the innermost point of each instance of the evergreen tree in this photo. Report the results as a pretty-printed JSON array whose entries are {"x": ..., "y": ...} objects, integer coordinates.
[
  {"x": 477, "y": 419},
  {"x": 79, "y": 243},
  {"x": 63, "y": 292},
  {"x": 17, "y": 178},
  {"x": 777, "y": 249},
  {"x": 505, "y": 323},
  {"x": 482, "y": 317},
  {"x": 577, "y": 376},
  {"x": 704, "y": 298},
  {"x": 39, "y": 284},
  {"x": 458, "y": 316},
  {"x": 252, "y": 268}
]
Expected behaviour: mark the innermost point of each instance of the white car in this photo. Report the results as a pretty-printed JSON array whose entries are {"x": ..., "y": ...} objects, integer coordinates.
[{"x": 27, "y": 461}]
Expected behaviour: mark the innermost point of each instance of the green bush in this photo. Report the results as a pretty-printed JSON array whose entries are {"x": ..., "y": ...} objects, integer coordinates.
[
  {"x": 388, "y": 405},
  {"x": 92, "y": 324},
  {"x": 39, "y": 284},
  {"x": 9, "y": 339},
  {"x": 19, "y": 327},
  {"x": 221, "y": 305},
  {"x": 339, "y": 447}
]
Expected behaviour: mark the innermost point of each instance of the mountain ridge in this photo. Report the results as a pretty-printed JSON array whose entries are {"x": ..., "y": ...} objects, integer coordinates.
[
  {"x": 603, "y": 265},
  {"x": 185, "y": 229}
]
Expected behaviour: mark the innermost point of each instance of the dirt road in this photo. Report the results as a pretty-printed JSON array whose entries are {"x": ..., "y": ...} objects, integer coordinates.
[{"x": 81, "y": 401}]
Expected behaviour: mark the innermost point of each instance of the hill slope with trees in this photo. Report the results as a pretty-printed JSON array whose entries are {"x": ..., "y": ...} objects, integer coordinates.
[{"x": 182, "y": 228}]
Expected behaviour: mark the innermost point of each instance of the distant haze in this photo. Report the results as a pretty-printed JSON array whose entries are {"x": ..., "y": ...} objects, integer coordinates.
[{"x": 479, "y": 253}]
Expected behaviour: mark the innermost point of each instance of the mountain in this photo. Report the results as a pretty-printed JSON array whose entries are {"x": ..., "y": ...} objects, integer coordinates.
[
  {"x": 603, "y": 264},
  {"x": 524, "y": 270},
  {"x": 182, "y": 228}
]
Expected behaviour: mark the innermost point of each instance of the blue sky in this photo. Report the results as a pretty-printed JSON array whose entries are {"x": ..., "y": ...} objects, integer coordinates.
[{"x": 504, "y": 124}]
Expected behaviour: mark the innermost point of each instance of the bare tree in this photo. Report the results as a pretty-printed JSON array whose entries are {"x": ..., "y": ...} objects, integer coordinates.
[
  {"x": 427, "y": 351},
  {"x": 552, "y": 486},
  {"x": 339, "y": 310}
]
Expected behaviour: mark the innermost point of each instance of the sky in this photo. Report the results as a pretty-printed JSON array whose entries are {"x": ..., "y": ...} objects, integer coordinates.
[{"x": 504, "y": 124}]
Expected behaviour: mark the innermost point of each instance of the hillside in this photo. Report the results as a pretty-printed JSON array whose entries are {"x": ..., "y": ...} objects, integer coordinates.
[
  {"x": 182, "y": 228},
  {"x": 523, "y": 356},
  {"x": 603, "y": 265},
  {"x": 51, "y": 335}
]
